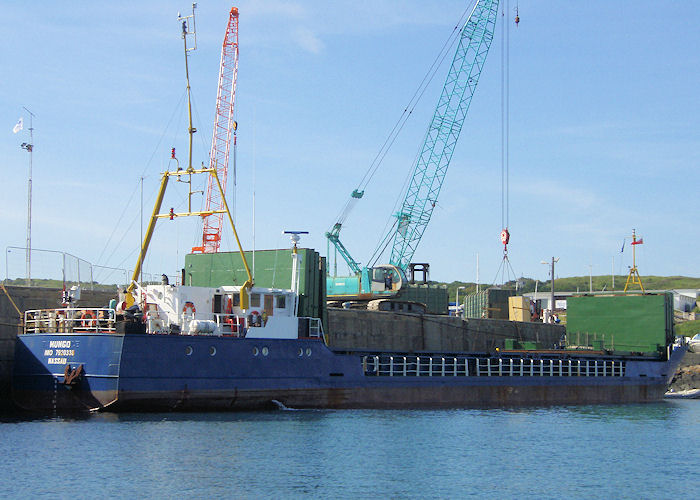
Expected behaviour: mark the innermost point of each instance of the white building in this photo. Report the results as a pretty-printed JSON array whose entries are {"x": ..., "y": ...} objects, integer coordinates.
[{"x": 684, "y": 300}]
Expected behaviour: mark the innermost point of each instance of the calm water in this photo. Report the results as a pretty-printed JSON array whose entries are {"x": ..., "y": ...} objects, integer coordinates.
[{"x": 634, "y": 451}]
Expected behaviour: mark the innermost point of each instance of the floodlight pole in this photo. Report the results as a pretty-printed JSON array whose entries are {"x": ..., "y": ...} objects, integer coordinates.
[
  {"x": 551, "y": 298},
  {"x": 29, "y": 147},
  {"x": 457, "y": 311}
]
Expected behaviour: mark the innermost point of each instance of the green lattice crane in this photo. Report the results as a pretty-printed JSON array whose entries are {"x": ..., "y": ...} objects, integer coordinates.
[
  {"x": 431, "y": 166},
  {"x": 443, "y": 132}
]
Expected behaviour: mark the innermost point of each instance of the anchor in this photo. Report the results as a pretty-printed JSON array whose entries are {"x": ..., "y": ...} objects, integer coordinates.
[{"x": 71, "y": 376}]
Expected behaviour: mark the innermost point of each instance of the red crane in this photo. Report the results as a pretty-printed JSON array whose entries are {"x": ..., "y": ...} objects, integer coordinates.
[{"x": 224, "y": 125}]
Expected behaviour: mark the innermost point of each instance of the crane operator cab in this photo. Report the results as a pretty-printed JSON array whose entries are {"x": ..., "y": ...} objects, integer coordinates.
[{"x": 386, "y": 278}]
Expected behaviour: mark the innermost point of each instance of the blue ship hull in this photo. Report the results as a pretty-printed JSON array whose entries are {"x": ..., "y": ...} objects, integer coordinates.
[{"x": 140, "y": 372}]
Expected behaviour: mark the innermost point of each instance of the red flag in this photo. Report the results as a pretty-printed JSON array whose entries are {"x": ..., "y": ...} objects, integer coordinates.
[{"x": 638, "y": 242}]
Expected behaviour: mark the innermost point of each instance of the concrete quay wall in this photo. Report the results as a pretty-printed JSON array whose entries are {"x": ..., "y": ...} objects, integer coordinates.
[
  {"x": 380, "y": 330},
  {"x": 10, "y": 322}
]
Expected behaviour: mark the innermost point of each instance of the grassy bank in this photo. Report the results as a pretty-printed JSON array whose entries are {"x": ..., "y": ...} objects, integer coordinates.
[{"x": 582, "y": 284}]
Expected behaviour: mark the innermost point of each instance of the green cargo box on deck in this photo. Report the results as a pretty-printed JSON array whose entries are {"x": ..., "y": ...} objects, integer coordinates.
[
  {"x": 636, "y": 323},
  {"x": 272, "y": 269}
]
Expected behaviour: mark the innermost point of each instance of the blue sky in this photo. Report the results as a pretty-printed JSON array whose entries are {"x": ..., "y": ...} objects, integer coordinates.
[{"x": 604, "y": 130}]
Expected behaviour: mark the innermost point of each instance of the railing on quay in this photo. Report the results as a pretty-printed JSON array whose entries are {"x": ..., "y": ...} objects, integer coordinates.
[{"x": 66, "y": 268}]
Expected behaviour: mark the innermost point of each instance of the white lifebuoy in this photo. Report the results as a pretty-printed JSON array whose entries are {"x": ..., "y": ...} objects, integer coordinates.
[{"x": 189, "y": 305}]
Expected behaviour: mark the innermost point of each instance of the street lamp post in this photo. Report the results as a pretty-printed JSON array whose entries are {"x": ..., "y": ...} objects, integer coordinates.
[
  {"x": 551, "y": 297},
  {"x": 457, "y": 313}
]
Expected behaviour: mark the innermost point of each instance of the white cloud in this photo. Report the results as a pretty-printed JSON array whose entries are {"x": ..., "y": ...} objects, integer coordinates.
[{"x": 308, "y": 40}]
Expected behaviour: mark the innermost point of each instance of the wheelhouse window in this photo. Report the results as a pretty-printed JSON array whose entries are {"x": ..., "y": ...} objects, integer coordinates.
[
  {"x": 254, "y": 300},
  {"x": 281, "y": 302}
]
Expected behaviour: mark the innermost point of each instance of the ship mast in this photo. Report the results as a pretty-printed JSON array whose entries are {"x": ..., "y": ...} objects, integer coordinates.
[{"x": 188, "y": 28}]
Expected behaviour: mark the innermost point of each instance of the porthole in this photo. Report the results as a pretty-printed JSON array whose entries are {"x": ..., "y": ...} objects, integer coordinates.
[
  {"x": 188, "y": 350},
  {"x": 212, "y": 351},
  {"x": 265, "y": 351},
  {"x": 308, "y": 351},
  {"x": 255, "y": 351},
  {"x": 301, "y": 352}
]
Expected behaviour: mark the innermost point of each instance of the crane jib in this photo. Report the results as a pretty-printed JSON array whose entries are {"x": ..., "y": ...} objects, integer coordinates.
[
  {"x": 440, "y": 140},
  {"x": 430, "y": 169}
]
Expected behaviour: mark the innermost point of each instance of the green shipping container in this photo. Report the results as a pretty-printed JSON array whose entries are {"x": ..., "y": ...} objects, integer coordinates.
[
  {"x": 623, "y": 323},
  {"x": 434, "y": 297},
  {"x": 270, "y": 268},
  {"x": 490, "y": 303}
]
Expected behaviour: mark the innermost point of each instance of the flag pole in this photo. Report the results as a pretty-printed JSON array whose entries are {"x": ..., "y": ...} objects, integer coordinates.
[{"x": 30, "y": 148}]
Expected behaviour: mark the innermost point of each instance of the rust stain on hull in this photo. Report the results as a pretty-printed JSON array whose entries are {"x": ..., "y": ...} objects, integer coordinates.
[{"x": 392, "y": 397}]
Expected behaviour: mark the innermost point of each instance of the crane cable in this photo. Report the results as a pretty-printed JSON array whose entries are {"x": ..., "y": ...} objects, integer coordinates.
[
  {"x": 505, "y": 268},
  {"x": 505, "y": 116},
  {"x": 408, "y": 110}
]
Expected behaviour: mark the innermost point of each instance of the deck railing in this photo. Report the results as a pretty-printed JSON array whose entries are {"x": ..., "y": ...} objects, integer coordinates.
[
  {"x": 69, "y": 320},
  {"x": 231, "y": 324},
  {"x": 453, "y": 366}
]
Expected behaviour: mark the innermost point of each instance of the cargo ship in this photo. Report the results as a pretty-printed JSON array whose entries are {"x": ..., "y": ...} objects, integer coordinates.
[
  {"x": 238, "y": 346},
  {"x": 195, "y": 348}
]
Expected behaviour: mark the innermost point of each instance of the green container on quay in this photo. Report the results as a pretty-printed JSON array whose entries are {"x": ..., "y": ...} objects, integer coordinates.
[
  {"x": 435, "y": 297},
  {"x": 624, "y": 323},
  {"x": 490, "y": 303}
]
